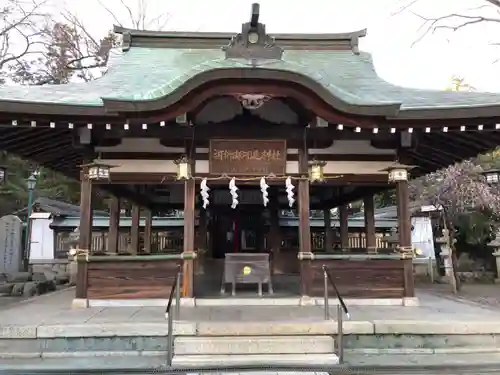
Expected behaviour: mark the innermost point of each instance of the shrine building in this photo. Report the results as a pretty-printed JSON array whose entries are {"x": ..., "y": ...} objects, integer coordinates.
[{"x": 233, "y": 128}]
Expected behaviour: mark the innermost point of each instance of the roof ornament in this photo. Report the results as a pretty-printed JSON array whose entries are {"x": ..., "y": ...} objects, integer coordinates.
[{"x": 253, "y": 46}]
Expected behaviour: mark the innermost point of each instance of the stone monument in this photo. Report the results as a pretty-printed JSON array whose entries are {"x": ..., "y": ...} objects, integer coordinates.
[
  {"x": 74, "y": 237},
  {"x": 11, "y": 231}
]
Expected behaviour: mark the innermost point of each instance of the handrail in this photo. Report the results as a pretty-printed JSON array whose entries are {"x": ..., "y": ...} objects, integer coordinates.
[
  {"x": 341, "y": 309},
  {"x": 169, "y": 316}
]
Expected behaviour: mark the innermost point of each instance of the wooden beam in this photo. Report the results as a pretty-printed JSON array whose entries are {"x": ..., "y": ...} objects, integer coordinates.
[
  {"x": 170, "y": 178},
  {"x": 344, "y": 226},
  {"x": 114, "y": 224},
  {"x": 135, "y": 229},
  {"x": 356, "y": 194},
  {"x": 328, "y": 230},
  {"x": 369, "y": 214},
  {"x": 237, "y": 128},
  {"x": 124, "y": 192},
  {"x": 148, "y": 231},
  {"x": 205, "y": 156}
]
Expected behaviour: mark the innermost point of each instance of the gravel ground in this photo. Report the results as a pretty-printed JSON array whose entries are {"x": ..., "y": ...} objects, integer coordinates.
[{"x": 482, "y": 294}]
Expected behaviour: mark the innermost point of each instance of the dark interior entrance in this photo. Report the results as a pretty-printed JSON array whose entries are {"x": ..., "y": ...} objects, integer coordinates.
[{"x": 237, "y": 230}]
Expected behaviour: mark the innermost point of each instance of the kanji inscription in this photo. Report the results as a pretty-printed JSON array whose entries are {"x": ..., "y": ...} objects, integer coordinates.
[{"x": 247, "y": 157}]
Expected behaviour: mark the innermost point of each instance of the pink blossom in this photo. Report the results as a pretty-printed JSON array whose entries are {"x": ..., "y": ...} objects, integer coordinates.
[{"x": 459, "y": 188}]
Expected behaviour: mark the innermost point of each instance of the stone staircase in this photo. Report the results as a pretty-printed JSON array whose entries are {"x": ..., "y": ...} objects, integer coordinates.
[{"x": 254, "y": 344}]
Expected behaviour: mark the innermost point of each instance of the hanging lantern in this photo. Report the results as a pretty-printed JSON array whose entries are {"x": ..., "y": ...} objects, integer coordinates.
[
  {"x": 398, "y": 172},
  {"x": 492, "y": 176},
  {"x": 316, "y": 171},
  {"x": 183, "y": 168},
  {"x": 98, "y": 170},
  {"x": 3, "y": 175}
]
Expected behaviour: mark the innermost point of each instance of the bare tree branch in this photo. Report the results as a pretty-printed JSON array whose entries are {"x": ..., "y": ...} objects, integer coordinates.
[
  {"x": 404, "y": 7},
  {"x": 453, "y": 21},
  {"x": 494, "y": 2},
  {"x": 69, "y": 50},
  {"x": 21, "y": 29}
]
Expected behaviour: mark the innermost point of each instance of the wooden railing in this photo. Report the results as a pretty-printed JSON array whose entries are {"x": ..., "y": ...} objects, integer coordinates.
[{"x": 166, "y": 241}]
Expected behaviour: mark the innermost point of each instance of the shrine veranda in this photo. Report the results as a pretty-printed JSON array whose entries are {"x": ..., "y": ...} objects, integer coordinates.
[{"x": 233, "y": 128}]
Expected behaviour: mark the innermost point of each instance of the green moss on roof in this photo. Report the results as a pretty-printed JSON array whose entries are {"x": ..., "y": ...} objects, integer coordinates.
[{"x": 152, "y": 73}]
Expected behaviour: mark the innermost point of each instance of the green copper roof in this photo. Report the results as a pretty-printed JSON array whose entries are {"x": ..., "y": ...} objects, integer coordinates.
[{"x": 144, "y": 73}]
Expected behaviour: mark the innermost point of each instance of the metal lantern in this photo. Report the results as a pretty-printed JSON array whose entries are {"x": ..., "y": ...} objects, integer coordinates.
[
  {"x": 98, "y": 171},
  {"x": 183, "y": 168},
  {"x": 398, "y": 172},
  {"x": 316, "y": 171},
  {"x": 492, "y": 176},
  {"x": 31, "y": 182},
  {"x": 3, "y": 175}
]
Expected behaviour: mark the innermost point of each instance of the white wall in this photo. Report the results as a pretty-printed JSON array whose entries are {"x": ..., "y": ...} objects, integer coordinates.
[{"x": 41, "y": 238}]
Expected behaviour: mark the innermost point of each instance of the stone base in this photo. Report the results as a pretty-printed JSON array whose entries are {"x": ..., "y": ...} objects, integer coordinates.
[
  {"x": 79, "y": 303},
  {"x": 82, "y": 303}
]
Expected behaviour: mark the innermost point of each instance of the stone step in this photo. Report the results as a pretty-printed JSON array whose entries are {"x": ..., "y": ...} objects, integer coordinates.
[
  {"x": 253, "y": 345},
  {"x": 306, "y": 360},
  {"x": 280, "y": 328}
]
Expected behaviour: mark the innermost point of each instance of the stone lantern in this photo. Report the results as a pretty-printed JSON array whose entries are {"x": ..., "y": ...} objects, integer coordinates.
[
  {"x": 495, "y": 245},
  {"x": 445, "y": 254},
  {"x": 73, "y": 240}
]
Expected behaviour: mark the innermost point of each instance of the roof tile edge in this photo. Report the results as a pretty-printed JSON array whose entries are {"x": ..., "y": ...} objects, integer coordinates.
[{"x": 215, "y": 40}]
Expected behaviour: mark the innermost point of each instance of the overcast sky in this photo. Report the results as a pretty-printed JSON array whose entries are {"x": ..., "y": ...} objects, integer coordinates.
[{"x": 428, "y": 64}]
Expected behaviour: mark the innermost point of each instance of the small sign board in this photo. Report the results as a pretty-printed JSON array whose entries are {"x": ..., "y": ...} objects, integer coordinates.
[
  {"x": 247, "y": 268},
  {"x": 247, "y": 156}
]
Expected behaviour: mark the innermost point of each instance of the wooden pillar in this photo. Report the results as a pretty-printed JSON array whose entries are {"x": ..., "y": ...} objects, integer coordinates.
[
  {"x": 114, "y": 224},
  {"x": 274, "y": 235},
  {"x": 328, "y": 229},
  {"x": 85, "y": 238},
  {"x": 369, "y": 210},
  {"x": 148, "y": 231},
  {"x": 85, "y": 241},
  {"x": 404, "y": 220},
  {"x": 189, "y": 233},
  {"x": 305, "y": 253},
  {"x": 404, "y": 234},
  {"x": 134, "y": 229},
  {"x": 202, "y": 238},
  {"x": 344, "y": 227},
  {"x": 201, "y": 242}
]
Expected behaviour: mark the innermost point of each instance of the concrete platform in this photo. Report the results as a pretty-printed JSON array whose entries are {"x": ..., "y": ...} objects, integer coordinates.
[
  {"x": 299, "y": 360},
  {"x": 244, "y": 301},
  {"x": 361, "y": 364},
  {"x": 46, "y": 326}
]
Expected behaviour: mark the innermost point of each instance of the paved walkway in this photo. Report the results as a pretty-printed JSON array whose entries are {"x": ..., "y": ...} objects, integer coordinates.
[
  {"x": 482, "y": 294},
  {"x": 370, "y": 361},
  {"x": 55, "y": 309}
]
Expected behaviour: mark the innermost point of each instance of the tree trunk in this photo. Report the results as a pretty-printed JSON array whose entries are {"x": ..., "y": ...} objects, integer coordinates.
[{"x": 448, "y": 225}]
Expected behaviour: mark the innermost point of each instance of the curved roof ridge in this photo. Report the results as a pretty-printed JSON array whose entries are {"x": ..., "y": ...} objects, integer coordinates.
[
  {"x": 133, "y": 38},
  {"x": 228, "y": 35}
]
